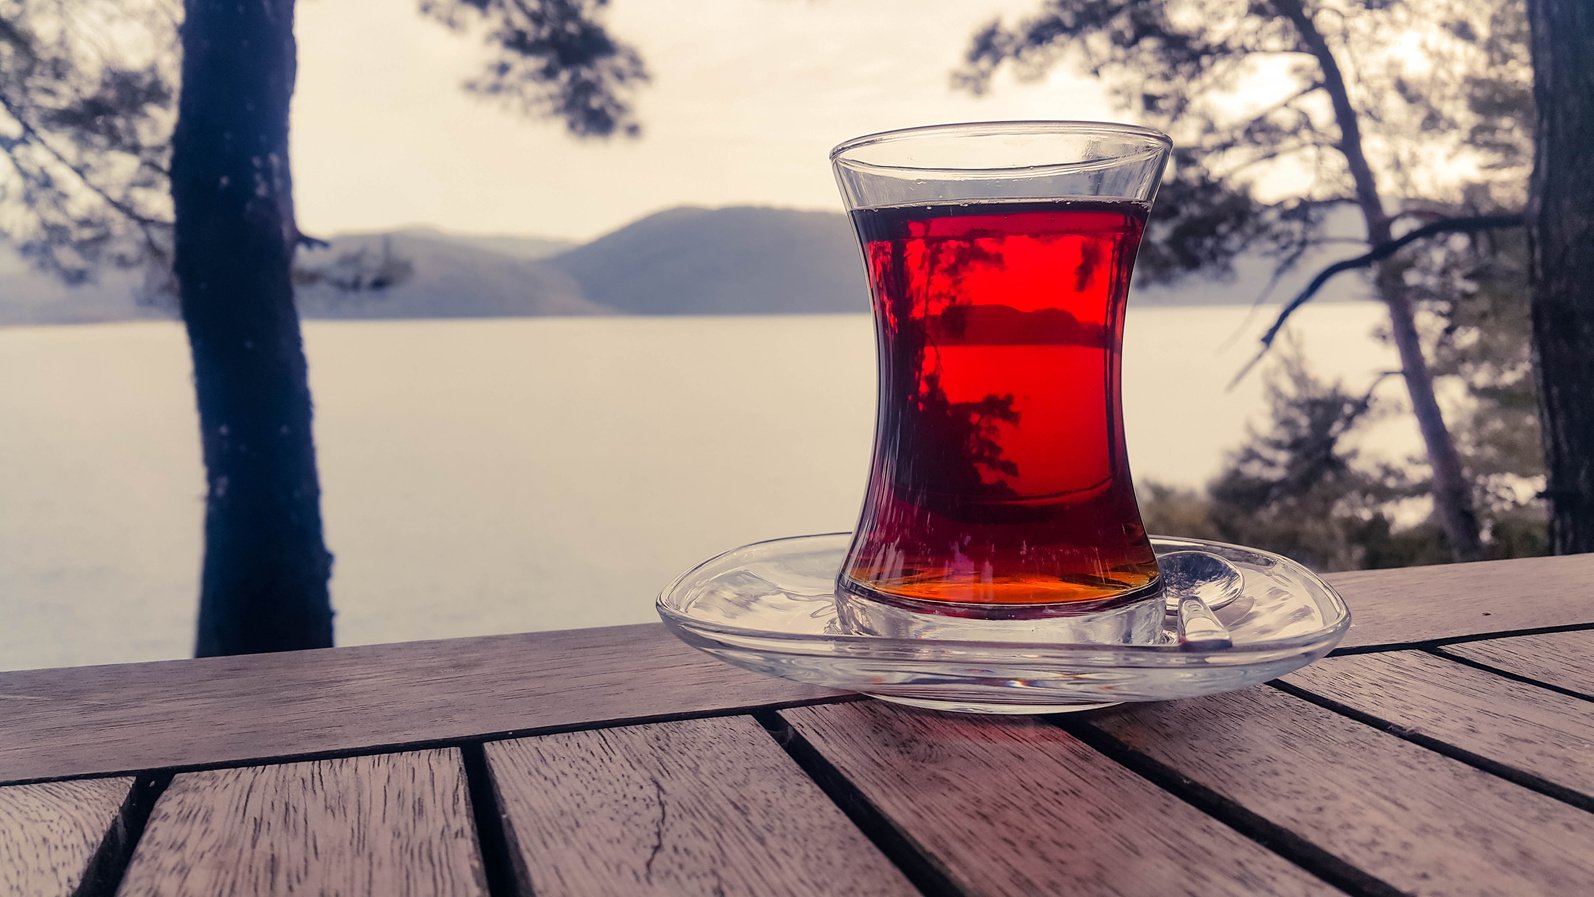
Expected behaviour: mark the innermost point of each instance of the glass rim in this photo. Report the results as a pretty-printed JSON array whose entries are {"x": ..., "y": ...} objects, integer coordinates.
[{"x": 1158, "y": 142}]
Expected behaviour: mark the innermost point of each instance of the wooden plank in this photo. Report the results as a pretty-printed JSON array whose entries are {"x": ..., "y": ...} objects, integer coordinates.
[
  {"x": 215, "y": 711},
  {"x": 1562, "y": 659},
  {"x": 229, "y": 710},
  {"x": 1540, "y": 732},
  {"x": 392, "y": 824},
  {"x": 710, "y": 807},
  {"x": 1420, "y": 604},
  {"x": 1418, "y": 820},
  {"x": 50, "y": 831},
  {"x": 1023, "y": 808}
]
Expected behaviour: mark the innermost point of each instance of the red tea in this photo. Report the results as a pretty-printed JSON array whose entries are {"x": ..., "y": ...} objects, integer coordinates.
[{"x": 999, "y": 470}]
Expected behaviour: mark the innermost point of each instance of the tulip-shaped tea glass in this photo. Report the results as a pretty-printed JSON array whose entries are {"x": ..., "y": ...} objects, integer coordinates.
[{"x": 999, "y": 498}]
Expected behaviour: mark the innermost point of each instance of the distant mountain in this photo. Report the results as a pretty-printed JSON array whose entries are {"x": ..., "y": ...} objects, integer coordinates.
[
  {"x": 449, "y": 276},
  {"x": 740, "y": 260},
  {"x": 438, "y": 276},
  {"x": 503, "y": 244},
  {"x": 749, "y": 260},
  {"x": 29, "y": 297}
]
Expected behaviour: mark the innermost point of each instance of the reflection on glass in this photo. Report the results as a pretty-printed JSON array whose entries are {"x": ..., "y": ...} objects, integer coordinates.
[{"x": 999, "y": 473}]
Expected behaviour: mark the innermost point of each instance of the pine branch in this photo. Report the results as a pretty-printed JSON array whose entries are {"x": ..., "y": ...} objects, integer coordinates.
[
  {"x": 1287, "y": 262},
  {"x": 1278, "y": 151},
  {"x": 1365, "y": 403},
  {"x": 1458, "y": 225},
  {"x": 33, "y": 136}
]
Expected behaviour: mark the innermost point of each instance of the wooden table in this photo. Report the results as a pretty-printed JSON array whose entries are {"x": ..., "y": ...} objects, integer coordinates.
[{"x": 1447, "y": 748}]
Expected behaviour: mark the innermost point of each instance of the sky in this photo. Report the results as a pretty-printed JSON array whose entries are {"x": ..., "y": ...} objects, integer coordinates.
[{"x": 747, "y": 98}]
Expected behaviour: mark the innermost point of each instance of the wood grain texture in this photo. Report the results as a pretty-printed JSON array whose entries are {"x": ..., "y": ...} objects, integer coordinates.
[
  {"x": 1023, "y": 808},
  {"x": 697, "y": 807},
  {"x": 1563, "y": 659},
  {"x": 1414, "y": 818},
  {"x": 1419, "y": 604},
  {"x": 227, "y": 710},
  {"x": 50, "y": 831},
  {"x": 391, "y": 824},
  {"x": 1531, "y": 729}
]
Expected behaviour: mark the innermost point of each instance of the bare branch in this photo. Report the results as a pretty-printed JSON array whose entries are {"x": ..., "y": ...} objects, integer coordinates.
[
  {"x": 1281, "y": 105},
  {"x": 1289, "y": 259},
  {"x": 1276, "y": 152},
  {"x": 1365, "y": 403},
  {"x": 1280, "y": 271},
  {"x": 1459, "y": 225}
]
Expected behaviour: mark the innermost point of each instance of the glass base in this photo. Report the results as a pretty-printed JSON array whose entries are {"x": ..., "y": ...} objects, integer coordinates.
[
  {"x": 1134, "y": 618},
  {"x": 774, "y": 607},
  {"x": 995, "y": 709}
]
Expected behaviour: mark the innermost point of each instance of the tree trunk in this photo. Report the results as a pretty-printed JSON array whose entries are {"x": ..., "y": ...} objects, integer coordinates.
[
  {"x": 1452, "y": 494},
  {"x": 1561, "y": 246},
  {"x": 264, "y": 582}
]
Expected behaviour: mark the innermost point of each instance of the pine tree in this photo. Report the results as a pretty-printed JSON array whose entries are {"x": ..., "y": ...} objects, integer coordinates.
[
  {"x": 1349, "y": 119},
  {"x": 84, "y": 128}
]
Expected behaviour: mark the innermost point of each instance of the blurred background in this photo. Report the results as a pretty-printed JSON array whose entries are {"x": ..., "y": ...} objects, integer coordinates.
[{"x": 581, "y": 308}]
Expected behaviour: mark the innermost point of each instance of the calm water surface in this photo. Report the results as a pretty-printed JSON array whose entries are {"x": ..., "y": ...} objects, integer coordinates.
[{"x": 511, "y": 475}]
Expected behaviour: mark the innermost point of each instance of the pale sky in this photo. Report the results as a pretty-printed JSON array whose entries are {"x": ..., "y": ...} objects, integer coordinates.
[{"x": 747, "y": 98}]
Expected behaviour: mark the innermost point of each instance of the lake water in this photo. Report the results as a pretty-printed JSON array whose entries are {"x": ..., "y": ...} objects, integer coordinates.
[{"x": 495, "y": 476}]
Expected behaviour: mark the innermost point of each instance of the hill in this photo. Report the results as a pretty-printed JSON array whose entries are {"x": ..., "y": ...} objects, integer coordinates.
[
  {"x": 751, "y": 260},
  {"x": 449, "y": 276},
  {"x": 504, "y": 244},
  {"x": 29, "y": 297},
  {"x": 740, "y": 260}
]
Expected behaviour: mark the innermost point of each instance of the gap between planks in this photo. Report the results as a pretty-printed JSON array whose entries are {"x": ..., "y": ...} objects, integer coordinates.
[
  {"x": 109, "y": 864},
  {"x": 396, "y": 824},
  {"x": 1493, "y": 767},
  {"x": 72, "y": 838},
  {"x": 1440, "y": 643},
  {"x": 688, "y": 807},
  {"x": 922, "y": 870},
  {"x": 994, "y": 804},
  {"x": 1563, "y": 661},
  {"x": 1280, "y": 840},
  {"x": 111, "y": 858},
  {"x": 1509, "y": 674},
  {"x": 440, "y": 743},
  {"x": 487, "y": 813},
  {"x": 1407, "y": 822},
  {"x": 1536, "y": 737}
]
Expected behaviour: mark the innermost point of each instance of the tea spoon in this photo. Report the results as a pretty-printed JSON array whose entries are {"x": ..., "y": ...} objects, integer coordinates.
[{"x": 1195, "y": 583}]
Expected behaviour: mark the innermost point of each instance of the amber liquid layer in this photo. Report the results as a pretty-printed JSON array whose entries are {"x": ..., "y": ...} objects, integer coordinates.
[{"x": 999, "y": 473}]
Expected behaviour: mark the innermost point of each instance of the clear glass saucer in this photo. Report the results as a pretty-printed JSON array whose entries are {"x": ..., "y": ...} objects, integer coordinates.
[{"x": 771, "y": 607}]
